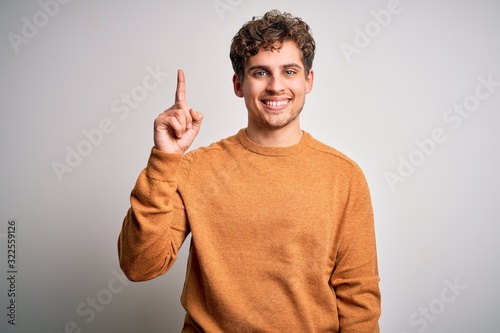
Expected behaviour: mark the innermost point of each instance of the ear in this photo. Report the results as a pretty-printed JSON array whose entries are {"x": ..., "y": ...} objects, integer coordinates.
[
  {"x": 237, "y": 86},
  {"x": 309, "y": 81}
]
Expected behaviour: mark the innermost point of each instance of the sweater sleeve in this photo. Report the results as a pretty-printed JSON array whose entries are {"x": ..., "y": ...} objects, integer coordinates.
[
  {"x": 155, "y": 225},
  {"x": 355, "y": 278}
]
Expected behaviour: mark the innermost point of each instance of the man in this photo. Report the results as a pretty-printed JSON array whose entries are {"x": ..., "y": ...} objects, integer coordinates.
[{"x": 282, "y": 225}]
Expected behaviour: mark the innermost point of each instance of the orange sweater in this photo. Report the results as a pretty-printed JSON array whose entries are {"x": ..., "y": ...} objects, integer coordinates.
[{"x": 282, "y": 238}]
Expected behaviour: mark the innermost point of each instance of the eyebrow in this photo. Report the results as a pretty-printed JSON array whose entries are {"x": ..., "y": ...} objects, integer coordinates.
[{"x": 268, "y": 69}]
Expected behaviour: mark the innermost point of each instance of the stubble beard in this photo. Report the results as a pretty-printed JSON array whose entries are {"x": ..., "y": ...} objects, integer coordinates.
[
  {"x": 275, "y": 122},
  {"x": 272, "y": 121}
]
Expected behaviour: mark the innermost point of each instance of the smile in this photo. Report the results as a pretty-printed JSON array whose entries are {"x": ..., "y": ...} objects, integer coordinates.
[{"x": 277, "y": 103}]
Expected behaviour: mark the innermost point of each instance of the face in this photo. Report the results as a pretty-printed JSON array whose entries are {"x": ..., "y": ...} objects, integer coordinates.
[{"x": 274, "y": 86}]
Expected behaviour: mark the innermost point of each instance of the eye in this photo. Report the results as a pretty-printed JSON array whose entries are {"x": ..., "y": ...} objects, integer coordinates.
[
  {"x": 259, "y": 74},
  {"x": 289, "y": 72}
]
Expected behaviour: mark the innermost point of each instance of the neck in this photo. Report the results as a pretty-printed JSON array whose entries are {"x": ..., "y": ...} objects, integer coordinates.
[{"x": 280, "y": 137}]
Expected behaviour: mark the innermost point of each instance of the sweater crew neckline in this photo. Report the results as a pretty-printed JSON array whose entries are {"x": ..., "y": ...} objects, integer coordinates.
[{"x": 269, "y": 150}]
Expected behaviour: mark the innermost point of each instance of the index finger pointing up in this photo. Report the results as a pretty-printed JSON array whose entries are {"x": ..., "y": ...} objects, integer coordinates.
[{"x": 180, "y": 92}]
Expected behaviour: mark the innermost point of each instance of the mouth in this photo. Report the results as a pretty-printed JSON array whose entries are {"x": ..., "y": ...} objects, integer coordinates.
[{"x": 275, "y": 104}]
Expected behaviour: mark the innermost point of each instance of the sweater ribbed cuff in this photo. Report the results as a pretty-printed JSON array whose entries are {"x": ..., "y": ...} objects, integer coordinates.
[{"x": 162, "y": 166}]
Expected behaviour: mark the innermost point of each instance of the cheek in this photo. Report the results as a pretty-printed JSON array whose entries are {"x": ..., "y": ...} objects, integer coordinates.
[
  {"x": 299, "y": 89},
  {"x": 252, "y": 91}
]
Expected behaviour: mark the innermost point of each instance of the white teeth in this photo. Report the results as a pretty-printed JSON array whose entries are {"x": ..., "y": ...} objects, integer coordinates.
[{"x": 276, "y": 103}]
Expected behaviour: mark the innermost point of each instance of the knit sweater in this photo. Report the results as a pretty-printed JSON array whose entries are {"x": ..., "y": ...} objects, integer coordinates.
[{"x": 282, "y": 237}]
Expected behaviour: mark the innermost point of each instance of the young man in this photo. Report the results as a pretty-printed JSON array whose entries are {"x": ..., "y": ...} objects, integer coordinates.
[{"x": 282, "y": 226}]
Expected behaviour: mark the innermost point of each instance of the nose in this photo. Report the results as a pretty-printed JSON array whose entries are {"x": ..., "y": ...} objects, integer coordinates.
[{"x": 275, "y": 84}]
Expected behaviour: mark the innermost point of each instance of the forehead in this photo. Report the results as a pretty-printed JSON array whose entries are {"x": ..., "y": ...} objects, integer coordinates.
[{"x": 288, "y": 53}]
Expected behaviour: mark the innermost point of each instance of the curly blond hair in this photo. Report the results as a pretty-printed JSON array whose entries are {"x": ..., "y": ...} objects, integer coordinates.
[{"x": 269, "y": 32}]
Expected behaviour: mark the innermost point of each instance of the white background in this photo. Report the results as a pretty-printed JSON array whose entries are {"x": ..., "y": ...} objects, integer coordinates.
[{"x": 438, "y": 227}]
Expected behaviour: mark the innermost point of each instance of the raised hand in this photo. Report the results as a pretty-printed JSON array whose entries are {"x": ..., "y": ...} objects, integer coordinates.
[{"x": 176, "y": 128}]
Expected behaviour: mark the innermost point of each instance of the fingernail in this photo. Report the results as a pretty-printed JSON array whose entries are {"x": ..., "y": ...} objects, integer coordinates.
[{"x": 189, "y": 125}]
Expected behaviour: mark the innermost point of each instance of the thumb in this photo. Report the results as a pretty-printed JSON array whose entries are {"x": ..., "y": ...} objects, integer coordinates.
[{"x": 196, "y": 116}]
